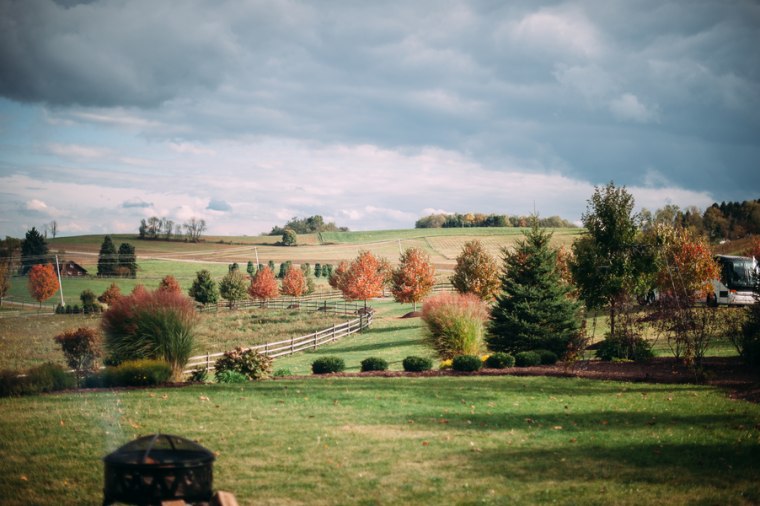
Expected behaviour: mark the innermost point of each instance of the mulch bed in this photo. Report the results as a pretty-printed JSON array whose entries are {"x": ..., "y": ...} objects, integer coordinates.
[{"x": 728, "y": 373}]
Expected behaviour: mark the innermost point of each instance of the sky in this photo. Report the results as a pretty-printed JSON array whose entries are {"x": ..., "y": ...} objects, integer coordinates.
[{"x": 371, "y": 114}]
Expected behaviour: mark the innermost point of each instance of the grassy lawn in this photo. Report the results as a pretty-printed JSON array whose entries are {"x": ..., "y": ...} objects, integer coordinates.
[{"x": 450, "y": 440}]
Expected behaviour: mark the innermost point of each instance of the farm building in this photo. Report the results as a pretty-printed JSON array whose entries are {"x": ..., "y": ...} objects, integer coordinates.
[{"x": 72, "y": 268}]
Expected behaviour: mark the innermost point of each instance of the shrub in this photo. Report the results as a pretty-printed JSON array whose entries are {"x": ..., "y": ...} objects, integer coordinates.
[
  {"x": 81, "y": 347},
  {"x": 445, "y": 364},
  {"x": 455, "y": 324},
  {"x": 527, "y": 359},
  {"x": 500, "y": 360},
  {"x": 250, "y": 363},
  {"x": 620, "y": 347},
  {"x": 230, "y": 376},
  {"x": 417, "y": 364},
  {"x": 374, "y": 364},
  {"x": 548, "y": 357},
  {"x": 150, "y": 325},
  {"x": 136, "y": 373},
  {"x": 47, "y": 377},
  {"x": 88, "y": 299},
  {"x": 326, "y": 365},
  {"x": 199, "y": 376},
  {"x": 466, "y": 363},
  {"x": 279, "y": 373},
  {"x": 10, "y": 383}
]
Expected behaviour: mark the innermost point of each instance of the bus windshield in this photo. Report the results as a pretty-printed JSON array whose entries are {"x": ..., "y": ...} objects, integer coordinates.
[{"x": 739, "y": 273}]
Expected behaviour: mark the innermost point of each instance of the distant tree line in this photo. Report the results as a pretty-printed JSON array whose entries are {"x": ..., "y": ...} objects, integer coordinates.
[
  {"x": 458, "y": 220},
  {"x": 727, "y": 220},
  {"x": 166, "y": 229},
  {"x": 310, "y": 225}
]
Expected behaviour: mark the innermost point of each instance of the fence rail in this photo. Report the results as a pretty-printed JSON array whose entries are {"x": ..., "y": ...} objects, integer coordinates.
[
  {"x": 279, "y": 303},
  {"x": 296, "y": 344}
]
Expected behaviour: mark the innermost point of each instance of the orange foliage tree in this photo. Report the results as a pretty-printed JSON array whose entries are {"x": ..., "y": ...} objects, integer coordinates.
[
  {"x": 338, "y": 277},
  {"x": 686, "y": 265},
  {"x": 43, "y": 283},
  {"x": 110, "y": 295},
  {"x": 294, "y": 283},
  {"x": 754, "y": 248},
  {"x": 476, "y": 271},
  {"x": 413, "y": 278},
  {"x": 169, "y": 284},
  {"x": 363, "y": 279},
  {"x": 264, "y": 285}
]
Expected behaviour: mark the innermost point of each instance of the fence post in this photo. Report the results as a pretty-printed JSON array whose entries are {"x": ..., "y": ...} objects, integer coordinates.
[
  {"x": 291, "y": 345},
  {"x": 333, "y": 334},
  {"x": 208, "y": 363}
]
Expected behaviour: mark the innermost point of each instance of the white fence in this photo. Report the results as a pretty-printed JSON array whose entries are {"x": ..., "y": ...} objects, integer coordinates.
[{"x": 296, "y": 344}]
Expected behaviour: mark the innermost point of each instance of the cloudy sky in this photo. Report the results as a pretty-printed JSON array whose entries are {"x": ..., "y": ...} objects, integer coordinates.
[{"x": 371, "y": 114}]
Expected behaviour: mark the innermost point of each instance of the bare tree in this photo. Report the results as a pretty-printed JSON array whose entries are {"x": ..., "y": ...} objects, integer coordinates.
[
  {"x": 53, "y": 228},
  {"x": 195, "y": 228}
]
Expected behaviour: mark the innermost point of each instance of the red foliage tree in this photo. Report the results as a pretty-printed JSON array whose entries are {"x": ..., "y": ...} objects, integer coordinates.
[
  {"x": 43, "y": 283},
  {"x": 264, "y": 285},
  {"x": 686, "y": 265},
  {"x": 338, "y": 278},
  {"x": 82, "y": 348},
  {"x": 294, "y": 283},
  {"x": 413, "y": 278},
  {"x": 111, "y": 293},
  {"x": 364, "y": 278},
  {"x": 169, "y": 284}
]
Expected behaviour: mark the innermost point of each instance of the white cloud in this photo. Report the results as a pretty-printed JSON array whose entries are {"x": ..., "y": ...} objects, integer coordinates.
[
  {"x": 186, "y": 147},
  {"x": 559, "y": 30},
  {"x": 628, "y": 107},
  {"x": 77, "y": 151},
  {"x": 36, "y": 205}
]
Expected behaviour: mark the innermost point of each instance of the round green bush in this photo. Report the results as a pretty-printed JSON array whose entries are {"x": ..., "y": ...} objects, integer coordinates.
[
  {"x": 527, "y": 359},
  {"x": 547, "y": 357},
  {"x": 417, "y": 364},
  {"x": 230, "y": 376},
  {"x": 500, "y": 360},
  {"x": 327, "y": 365},
  {"x": 374, "y": 364},
  {"x": 618, "y": 347},
  {"x": 466, "y": 363}
]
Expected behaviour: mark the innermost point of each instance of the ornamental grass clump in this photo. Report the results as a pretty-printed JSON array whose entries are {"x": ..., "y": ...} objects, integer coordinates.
[
  {"x": 417, "y": 364},
  {"x": 327, "y": 365},
  {"x": 455, "y": 324},
  {"x": 466, "y": 363},
  {"x": 500, "y": 360},
  {"x": 374, "y": 364}
]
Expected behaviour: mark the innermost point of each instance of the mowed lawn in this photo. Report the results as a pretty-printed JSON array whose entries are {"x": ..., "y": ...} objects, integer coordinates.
[{"x": 383, "y": 441}]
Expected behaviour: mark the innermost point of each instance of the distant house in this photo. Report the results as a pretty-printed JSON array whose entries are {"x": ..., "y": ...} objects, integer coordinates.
[{"x": 72, "y": 268}]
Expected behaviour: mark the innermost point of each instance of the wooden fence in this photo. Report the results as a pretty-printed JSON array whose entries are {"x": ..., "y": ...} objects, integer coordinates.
[
  {"x": 279, "y": 303},
  {"x": 307, "y": 342}
]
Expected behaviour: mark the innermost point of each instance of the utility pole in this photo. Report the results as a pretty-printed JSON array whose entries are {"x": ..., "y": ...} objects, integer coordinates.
[{"x": 60, "y": 284}]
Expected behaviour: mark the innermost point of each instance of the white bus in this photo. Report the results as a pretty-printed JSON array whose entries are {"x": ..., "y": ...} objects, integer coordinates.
[{"x": 738, "y": 283}]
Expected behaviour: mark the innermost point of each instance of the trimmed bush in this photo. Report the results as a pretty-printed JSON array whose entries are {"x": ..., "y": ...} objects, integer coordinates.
[
  {"x": 466, "y": 363},
  {"x": 617, "y": 347},
  {"x": 250, "y": 363},
  {"x": 500, "y": 360},
  {"x": 374, "y": 364},
  {"x": 136, "y": 373},
  {"x": 527, "y": 359},
  {"x": 417, "y": 364},
  {"x": 455, "y": 324},
  {"x": 547, "y": 357},
  {"x": 279, "y": 373},
  {"x": 327, "y": 365},
  {"x": 230, "y": 376},
  {"x": 47, "y": 377}
]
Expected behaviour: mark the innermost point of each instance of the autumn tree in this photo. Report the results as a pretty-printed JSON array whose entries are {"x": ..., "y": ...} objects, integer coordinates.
[
  {"x": 5, "y": 280},
  {"x": 82, "y": 347},
  {"x": 337, "y": 278},
  {"x": 263, "y": 285},
  {"x": 110, "y": 294},
  {"x": 294, "y": 283},
  {"x": 43, "y": 283},
  {"x": 414, "y": 277},
  {"x": 232, "y": 287},
  {"x": 204, "y": 289},
  {"x": 476, "y": 271},
  {"x": 169, "y": 284},
  {"x": 753, "y": 250},
  {"x": 363, "y": 279}
]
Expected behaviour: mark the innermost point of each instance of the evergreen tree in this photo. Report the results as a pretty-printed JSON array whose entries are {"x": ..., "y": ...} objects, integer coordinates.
[
  {"x": 204, "y": 288},
  {"x": 233, "y": 287},
  {"x": 250, "y": 269},
  {"x": 127, "y": 261},
  {"x": 533, "y": 310},
  {"x": 107, "y": 258},
  {"x": 34, "y": 250},
  {"x": 317, "y": 270}
]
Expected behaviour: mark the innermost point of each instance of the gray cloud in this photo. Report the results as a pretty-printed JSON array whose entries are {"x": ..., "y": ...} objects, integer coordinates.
[
  {"x": 136, "y": 203},
  {"x": 218, "y": 205}
]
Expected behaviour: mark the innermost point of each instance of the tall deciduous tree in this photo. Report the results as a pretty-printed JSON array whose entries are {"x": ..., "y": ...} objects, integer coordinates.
[
  {"x": 533, "y": 310},
  {"x": 263, "y": 285},
  {"x": 289, "y": 237},
  {"x": 232, "y": 288},
  {"x": 195, "y": 228},
  {"x": 414, "y": 277},
  {"x": 204, "y": 289},
  {"x": 107, "y": 258},
  {"x": 34, "y": 250},
  {"x": 685, "y": 265},
  {"x": 127, "y": 264},
  {"x": 294, "y": 283},
  {"x": 476, "y": 271},
  {"x": 610, "y": 260},
  {"x": 363, "y": 279},
  {"x": 43, "y": 282}
]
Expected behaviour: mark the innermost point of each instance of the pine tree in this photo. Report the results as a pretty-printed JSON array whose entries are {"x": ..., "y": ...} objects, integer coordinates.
[
  {"x": 127, "y": 261},
  {"x": 533, "y": 310},
  {"x": 34, "y": 250},
  {"x": 107, "y": 258}
]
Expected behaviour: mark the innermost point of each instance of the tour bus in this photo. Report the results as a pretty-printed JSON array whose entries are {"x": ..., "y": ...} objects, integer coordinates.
[{"x": 738, "y": 283}]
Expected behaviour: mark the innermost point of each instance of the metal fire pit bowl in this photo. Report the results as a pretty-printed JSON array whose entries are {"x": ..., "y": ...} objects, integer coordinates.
[{"x": 157, "y": 468}]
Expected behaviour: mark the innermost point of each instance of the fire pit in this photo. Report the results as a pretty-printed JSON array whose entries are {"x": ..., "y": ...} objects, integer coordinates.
[{"x": 156, "y": 468}]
